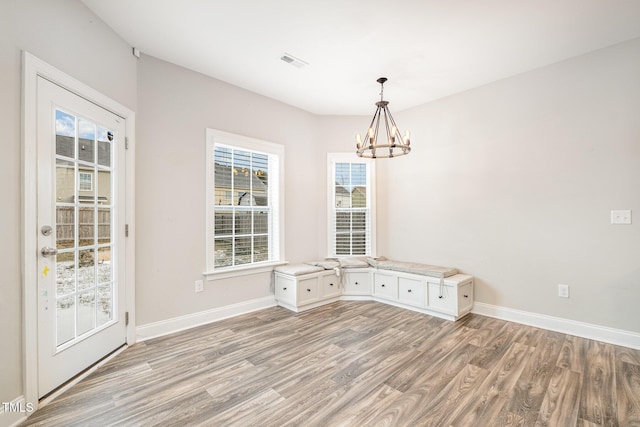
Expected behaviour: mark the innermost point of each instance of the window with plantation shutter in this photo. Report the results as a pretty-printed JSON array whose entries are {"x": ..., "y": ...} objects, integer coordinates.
[
  {"x": 244, "y": 224},
  {"x": 351, "y": 206}
]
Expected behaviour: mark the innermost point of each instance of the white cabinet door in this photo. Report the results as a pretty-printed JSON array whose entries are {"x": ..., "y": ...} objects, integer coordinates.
[
  {"x": 285, "y": 290},
  {"x": 308, "y": 290},
  {"x": 357, "y": 283},
  {"x": 411, "y": 292},
  {"x": 385, "y": 286},
  {"x": 465, "y": 297},
  {"x": 443, "y": 298},
  {"x": 330, "y": 286}
]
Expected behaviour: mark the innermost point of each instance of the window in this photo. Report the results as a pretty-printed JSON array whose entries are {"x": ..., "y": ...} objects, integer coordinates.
[
  {"x": 85, "y": 181},
  {"x": 351, "y": 205},
  {"x": 245, "y": 206}
]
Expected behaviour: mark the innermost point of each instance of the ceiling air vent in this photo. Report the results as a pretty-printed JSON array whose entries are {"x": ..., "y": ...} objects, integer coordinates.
[{"x": 290, "y": 59}]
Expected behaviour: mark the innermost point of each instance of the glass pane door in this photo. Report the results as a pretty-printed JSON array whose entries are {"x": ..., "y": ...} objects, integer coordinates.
[{"x": 84, "y": 212}]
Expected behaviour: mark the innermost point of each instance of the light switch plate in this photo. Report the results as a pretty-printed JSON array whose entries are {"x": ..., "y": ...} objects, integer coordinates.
[{"x": 621, "y": 217}]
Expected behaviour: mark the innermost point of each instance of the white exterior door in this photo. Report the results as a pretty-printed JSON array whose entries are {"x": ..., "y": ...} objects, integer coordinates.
[{"x": 81, "y": 232}]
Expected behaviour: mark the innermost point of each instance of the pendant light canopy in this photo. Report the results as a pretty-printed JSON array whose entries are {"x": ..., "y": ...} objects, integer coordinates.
[{"x": 389, "y": 143}]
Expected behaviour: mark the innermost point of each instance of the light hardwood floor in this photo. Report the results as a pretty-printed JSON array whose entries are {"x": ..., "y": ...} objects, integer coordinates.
[{"x": 358, "y": 364}]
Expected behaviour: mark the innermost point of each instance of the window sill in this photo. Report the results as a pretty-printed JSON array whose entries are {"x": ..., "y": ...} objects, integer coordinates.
[{"x": 229, "y": 272}]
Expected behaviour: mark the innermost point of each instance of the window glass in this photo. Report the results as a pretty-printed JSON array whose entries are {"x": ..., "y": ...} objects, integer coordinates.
[
  {"x": 85, "y": 181},
  {"x": 65, "y": 134},
  {"x": 351, "y": 222},
  {"x": 86, "y": 140},
  {"x": 245, "y": 219}
]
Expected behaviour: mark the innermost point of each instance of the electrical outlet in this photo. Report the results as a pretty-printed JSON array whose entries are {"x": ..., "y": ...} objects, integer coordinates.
[
  {"x": 563, "y": 291},
  {"x": 199, "y": 286},
  {"x": 621, "y": 217}
]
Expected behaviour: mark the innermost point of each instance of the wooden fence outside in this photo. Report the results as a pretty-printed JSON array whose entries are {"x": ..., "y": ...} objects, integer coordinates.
[{"x": 86, "y": 224}]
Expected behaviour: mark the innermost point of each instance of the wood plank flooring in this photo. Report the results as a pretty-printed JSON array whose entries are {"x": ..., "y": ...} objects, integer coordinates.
[{"x": 356, "y": 363}]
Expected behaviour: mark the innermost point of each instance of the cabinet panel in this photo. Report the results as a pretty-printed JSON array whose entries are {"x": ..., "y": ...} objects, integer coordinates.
[
  {"x": 285, "y": 289},
  {"x": 330, "y": 286},
  {"x": 442, "y": 298},
  {"x": 308, "y": 290},
  {"x": 465, "y": 297},
  {"x": 411, "y": 291},
  {"x": 357, "y": 283},
  {"x": 385, "y": 286}
]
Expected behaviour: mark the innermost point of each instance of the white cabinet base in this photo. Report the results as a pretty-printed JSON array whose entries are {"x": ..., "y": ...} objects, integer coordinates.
[
  {"x": 450, "y": 298},
  {"x": 306, "y": 291}
]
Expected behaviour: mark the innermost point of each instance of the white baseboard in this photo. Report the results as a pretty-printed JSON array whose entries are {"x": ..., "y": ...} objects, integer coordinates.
[
  {"x": 176, "y": 324},
  {"x": 558, "y": 324},
  {"x": 15, "y": 412},
  {"x": 356, "y": 298}
]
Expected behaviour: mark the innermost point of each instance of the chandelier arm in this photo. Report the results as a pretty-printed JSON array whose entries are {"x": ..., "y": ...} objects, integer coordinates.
[
  {"x": 371, "y": 125},
  {"x": 374, "y": 144},
  {"x": 397, "y": 134},
  {"x": 402, "y": 144},
  {"x": 386, "y": 125}
]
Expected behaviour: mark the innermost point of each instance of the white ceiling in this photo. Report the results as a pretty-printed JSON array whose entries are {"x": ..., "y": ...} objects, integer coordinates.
[{"x": 427, "y": 48}]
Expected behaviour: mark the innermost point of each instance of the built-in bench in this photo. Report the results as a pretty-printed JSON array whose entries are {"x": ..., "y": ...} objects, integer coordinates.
[{"x": 434, "y": 290}]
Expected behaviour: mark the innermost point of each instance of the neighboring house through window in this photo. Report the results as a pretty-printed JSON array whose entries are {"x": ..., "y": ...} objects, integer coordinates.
[
  {"x": 245, "y": 210},
  {"x": 351, "y": 205}
]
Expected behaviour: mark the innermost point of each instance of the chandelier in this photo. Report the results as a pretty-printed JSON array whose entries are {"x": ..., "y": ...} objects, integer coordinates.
[{"x": 374, "y": 144}]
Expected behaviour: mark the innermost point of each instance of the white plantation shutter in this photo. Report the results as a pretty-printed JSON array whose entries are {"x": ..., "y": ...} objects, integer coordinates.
[{"x": 351, "y": 206}]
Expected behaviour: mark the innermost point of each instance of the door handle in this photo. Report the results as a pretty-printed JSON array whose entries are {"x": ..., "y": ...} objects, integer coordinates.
[{"x": 48, "y": 251}]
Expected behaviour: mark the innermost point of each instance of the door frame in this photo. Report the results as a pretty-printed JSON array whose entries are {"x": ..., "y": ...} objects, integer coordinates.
[{"x": 32, "y": 68}]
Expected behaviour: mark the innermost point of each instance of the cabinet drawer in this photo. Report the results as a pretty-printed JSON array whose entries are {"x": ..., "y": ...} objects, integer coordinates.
[
  {"x": 285, "y": 290},
  {"x": 330, "y": 286},
  {"x": 465, "y": 297},
  {"x": 308, "y": 290},
  {"x": 357, "y": 283},
  {"x": 385, "y": 286},
  {"x": 411, "y": 291},
  {"x": 443, "y": 298}
]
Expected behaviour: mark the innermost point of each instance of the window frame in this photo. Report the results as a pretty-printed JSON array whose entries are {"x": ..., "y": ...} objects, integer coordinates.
[
  {"x": 80, "y": 180},
  {"x": 332, "y": 160},
  {"x": 216, "y": 137}
]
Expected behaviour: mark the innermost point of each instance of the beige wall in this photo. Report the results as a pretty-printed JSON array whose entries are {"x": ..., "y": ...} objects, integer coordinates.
[
  {"x": 175, "y": 106},
  {"x": 513, "y": 182},
  {"x": 68, "y": 36}
]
